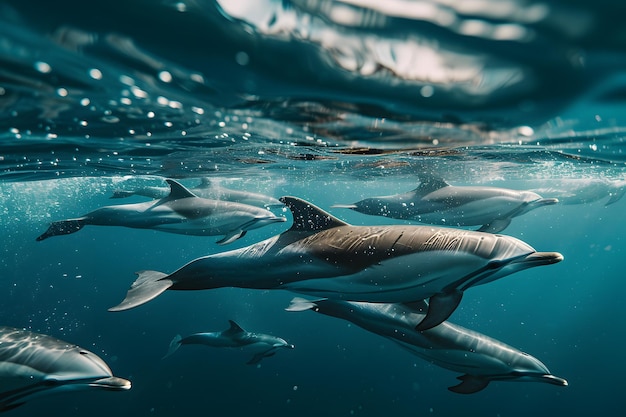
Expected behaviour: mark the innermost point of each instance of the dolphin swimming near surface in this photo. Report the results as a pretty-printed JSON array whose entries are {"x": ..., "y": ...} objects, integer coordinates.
[
  {"x": 437, "y": 202},
  {"x": 180, "y": 212},
  {"x": 32, "y": 365},
  {"x": 234, "y": 336},
  {"x": 479, "y": 358},
  {"x": 207, "y": 188},
  {"x": 583, "y": 190},
  {"x": 323, "y": 256}
]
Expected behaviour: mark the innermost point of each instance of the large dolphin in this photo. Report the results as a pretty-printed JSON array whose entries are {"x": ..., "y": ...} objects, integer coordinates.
[
  {"x": 33, "y": 364},
  {"x": 207, "y": 188},
  {"x": 180, "y": 212},
  {"x": 321, "y": 255},
  {"x": 479, "y": 358},
  {"x": 266, "y": 345},
  {"x": 437, "y": 202}
]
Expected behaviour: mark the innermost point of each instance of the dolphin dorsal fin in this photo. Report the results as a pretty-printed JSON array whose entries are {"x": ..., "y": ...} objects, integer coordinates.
[
  {"x": 429, "y": 183},
  {"x": 234, "y": 328},
  {"x": 309, "y": 218},
  {"x": 178, "y": 191}
]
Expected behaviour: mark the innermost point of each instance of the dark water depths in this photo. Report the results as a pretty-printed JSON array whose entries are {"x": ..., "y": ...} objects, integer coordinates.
[{"x": 331, "y": 101}]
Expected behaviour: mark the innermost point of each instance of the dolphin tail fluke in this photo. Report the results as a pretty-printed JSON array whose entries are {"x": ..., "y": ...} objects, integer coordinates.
[
  {"x": 231, "y": 237},
  {"x": 174, "y": 345},
  {"x": 148, "y": 286},
  {"x": 440, "y": 307},
  {"x": 301, "y": 304},
  {"x": 469, "y": 384},
  {"x": 63, "y": 227}
]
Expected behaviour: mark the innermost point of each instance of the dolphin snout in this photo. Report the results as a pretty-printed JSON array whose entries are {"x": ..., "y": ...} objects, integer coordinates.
[
  {"x": 542, "y": 258},
  {"x": 112, "y": 383},
  {"x": 554, "y": 380}
]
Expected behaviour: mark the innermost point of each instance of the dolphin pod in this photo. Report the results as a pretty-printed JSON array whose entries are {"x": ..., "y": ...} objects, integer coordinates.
[
  {"x": 180, "y": 212},
  {"x": 479, "y": 358},
  {"x": 32, "y": 365},
  {"x": 265, "y": 344},
  {"x": 323, "y": 256},
  {"x": 206, "y": 189},
  {"x": 437, "y": 202}
]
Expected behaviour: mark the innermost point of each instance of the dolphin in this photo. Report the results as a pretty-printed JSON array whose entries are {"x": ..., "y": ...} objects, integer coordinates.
[
  {"x": 323, "y": 256},
  {"x": 32, "y": 365},
  {"x": 207, "y": 188},
  {"x": 180, "y": 212},
  {"x": 479, "y": 358},
  {"x": 234, "y": 336},
  {"x": 437, "y": 202},
  {"x": 584, "y": 190}
]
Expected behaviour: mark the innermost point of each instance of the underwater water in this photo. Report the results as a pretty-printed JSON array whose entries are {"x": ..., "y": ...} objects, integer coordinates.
[{"x": 331, "y": 101}]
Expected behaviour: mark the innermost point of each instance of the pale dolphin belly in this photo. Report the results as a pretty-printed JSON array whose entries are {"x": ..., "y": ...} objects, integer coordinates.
[{"x": 412, "y": 277}]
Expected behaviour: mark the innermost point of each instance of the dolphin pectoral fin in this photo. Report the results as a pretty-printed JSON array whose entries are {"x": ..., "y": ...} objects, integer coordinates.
[
  {"x": 259, "y": 356},
  {"x": 495, "y": 226},
  {"x": 231, "y": 237},
  {"x": 469, "y": 384},
  {"x": 440, "y": 307},
  {"x": 174, "y": 345},
  {"x": 63, "y": 227},
  {"x": 148, "y": 286}
]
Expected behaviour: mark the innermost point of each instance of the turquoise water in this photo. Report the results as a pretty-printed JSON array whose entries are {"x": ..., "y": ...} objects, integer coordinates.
[{"x": 332, "y": 102}]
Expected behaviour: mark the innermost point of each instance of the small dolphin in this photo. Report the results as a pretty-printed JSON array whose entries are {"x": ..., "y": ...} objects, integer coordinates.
[
  {"x": 32, "y": 365},
  {"x": 180, "y": 212},
  {"x": 207, "y": 188},
  {"x": 480, "y": 358},
  {"x": 234, "y": 336},
  {"x": 322, "y": 256},
  {"x": 584, "y": 190},
  {"x": 437, "y": 202}
]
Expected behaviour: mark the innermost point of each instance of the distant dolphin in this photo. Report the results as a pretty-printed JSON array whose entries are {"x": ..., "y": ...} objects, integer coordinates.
[
  {"x": 32, "y": 365},
  {"x": 584, "y": 190},
  {"x": 206, "y": 189},
  {"x": 437, "y": 202},
  {"x": 321, "y": 255},
  {"x": 480, "y": 358},
  {"x": 180, "y": 212},
  {"x": 234, "y": 336}
]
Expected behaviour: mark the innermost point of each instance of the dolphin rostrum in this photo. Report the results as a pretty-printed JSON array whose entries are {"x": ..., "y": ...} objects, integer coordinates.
[
  {"x": 207, "y": 188},
  {"x": 322, "y": 256},
  {"x": 437, "y": 202},
  {"x": 480, "y": 358},
  {"x": 265, "y": 344},
  {"x": 32, "y": 365},
  {"x": 180, "y": 212}
]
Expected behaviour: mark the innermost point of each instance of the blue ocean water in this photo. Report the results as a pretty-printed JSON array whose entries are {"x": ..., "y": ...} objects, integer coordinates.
[{"x": 333, "y": 102}]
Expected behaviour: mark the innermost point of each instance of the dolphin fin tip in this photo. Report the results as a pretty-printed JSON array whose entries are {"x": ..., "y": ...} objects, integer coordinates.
[
  {"x": 469, "y": 385},
  {"x": 149, "y": 285}
]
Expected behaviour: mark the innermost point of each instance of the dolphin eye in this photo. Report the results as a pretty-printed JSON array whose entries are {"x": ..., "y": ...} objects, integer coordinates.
[{"x": 83, "y": 352}]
